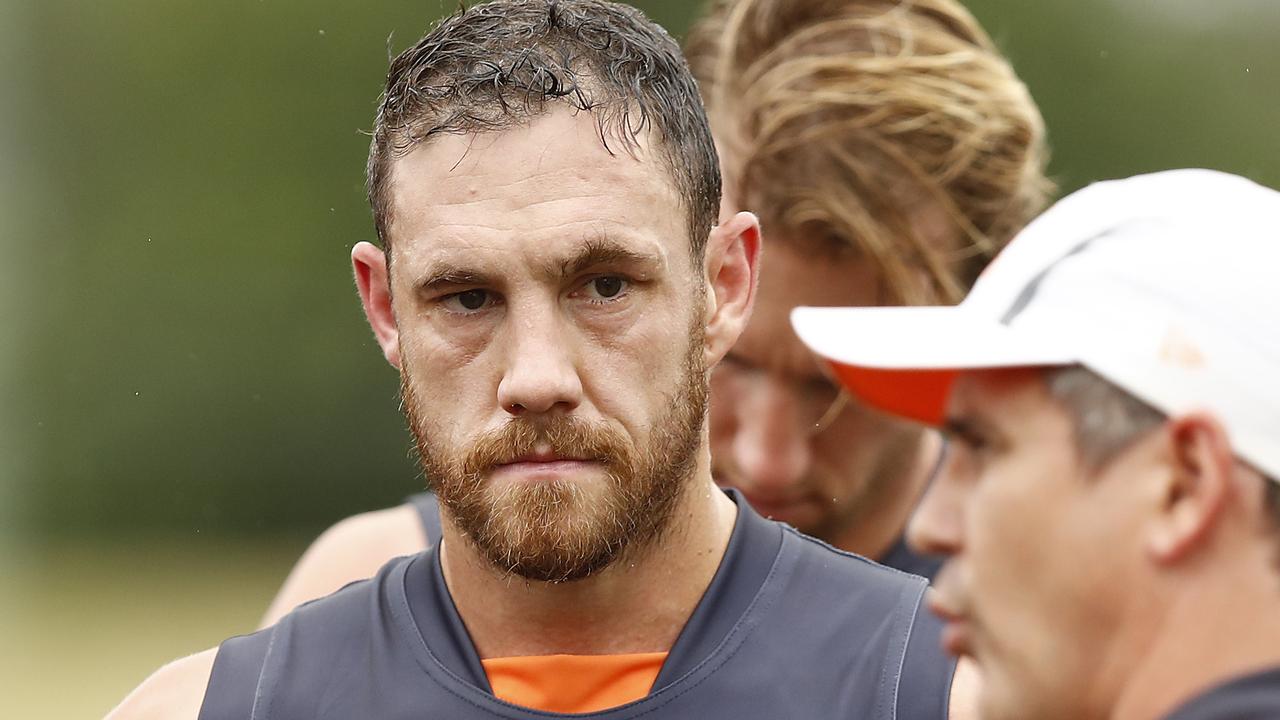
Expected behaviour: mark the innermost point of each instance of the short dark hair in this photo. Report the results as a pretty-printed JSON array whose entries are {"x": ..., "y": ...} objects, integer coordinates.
[
  {"x": 1106, "y": 419},
  {"x": 499, "y": 64}
]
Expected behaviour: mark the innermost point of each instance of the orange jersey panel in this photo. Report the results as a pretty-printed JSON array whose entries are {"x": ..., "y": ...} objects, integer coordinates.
[{"x": 573, "y": 683}]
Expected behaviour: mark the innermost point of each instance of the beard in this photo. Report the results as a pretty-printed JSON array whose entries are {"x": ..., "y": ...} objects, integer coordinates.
[{"x": 567, "y": 529}]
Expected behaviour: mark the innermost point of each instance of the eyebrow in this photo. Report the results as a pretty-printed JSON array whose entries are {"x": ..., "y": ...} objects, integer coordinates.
[
  {"x": 450, "y": 278},
  {"x": 968, "y": 428},
  {"x": 596, "y": 250},
  {"x": 600, "y": 249}
]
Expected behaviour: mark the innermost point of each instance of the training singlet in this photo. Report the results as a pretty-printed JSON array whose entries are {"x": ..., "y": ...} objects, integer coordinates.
[
  {"x": 1252, "y": 697},
  {"x": 788, "y": 628},
  {"x": 428, "y": 508},
  {"x": 899, "y": 557}
]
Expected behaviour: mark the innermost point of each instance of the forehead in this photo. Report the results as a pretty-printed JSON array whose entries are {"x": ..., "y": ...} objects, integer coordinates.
[
  {"x": 551, "y": 178},
  {"x": 1009, "y": 398},
  {"x": 790, "y": 278}
]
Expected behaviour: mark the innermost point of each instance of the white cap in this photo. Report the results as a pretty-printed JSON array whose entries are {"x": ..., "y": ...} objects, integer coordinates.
[{"x": 1167, "y": 285}]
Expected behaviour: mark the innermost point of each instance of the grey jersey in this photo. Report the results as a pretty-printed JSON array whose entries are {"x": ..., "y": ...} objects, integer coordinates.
[
  {"x": 1251, "y": 697},
  {"x": 788, "y": 628}
]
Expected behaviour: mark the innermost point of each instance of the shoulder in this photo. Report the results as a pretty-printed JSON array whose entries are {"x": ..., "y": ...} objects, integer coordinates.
[
  {"x": 882, "y": 612},
  {"x": 351, "y": 550},
  {"x": 328, "y": 643},
  {"x": 174, "y": 692},
  {"x": 847, "y": 566}
]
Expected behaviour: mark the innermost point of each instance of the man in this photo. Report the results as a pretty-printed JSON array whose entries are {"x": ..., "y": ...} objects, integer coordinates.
[
  {"x": 889, "y": 150},
  {"x": 858, "y": 147},
  {"x": 1109, "y": 504},
  {"x": 554, "y": 292}
]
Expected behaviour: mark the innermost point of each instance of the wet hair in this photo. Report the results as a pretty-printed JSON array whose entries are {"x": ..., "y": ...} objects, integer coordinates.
[
  {"x": 840, "y": 120},
  {"x": 501, "y": 64}
]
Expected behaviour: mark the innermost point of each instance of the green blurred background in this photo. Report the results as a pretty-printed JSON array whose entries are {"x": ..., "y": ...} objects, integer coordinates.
[{"x": 188, "y": 391}]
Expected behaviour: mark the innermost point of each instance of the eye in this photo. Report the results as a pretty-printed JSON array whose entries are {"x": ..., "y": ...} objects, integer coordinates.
[
  {"x": 468, "y": 301},
  {"x": 605, "y": 287},
  {"x": 969, "y": 442}
]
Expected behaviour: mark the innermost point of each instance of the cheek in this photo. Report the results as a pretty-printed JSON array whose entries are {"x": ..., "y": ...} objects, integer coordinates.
[
  {"x": 863, "y": 447},
  {"x": 453, "y": 389},
  {"x": 1029, "y": 560},
  {"x": 633, "y": 378},
  {"x": 1011, "y": 562}
]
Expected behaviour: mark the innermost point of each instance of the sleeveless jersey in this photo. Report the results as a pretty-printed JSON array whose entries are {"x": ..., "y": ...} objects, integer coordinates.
[
  {"x": 1252, "y": 697},
  {"x": 428, "y": 508},
  {"x": 788, "y": 628}
]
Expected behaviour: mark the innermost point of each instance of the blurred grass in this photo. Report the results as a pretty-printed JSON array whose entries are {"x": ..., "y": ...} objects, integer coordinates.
[{"x": 81, "y": 624}]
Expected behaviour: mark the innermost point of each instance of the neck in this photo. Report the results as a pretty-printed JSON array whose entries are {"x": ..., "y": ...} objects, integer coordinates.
[
  {"x": 637, "y": 605},
  {"x": 882, "y": 518},
  {"x": 1223, "y": 622}
]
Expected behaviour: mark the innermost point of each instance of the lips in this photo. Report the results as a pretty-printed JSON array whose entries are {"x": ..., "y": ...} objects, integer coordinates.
[
  {"x": 543, "y": 463},
  {"x": 957, "y": 633}
]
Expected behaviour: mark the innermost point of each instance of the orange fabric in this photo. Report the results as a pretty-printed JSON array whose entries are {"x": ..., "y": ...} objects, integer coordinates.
[
  {"x": 573, "y": 683},
  {"x": 916, "y": 394}
]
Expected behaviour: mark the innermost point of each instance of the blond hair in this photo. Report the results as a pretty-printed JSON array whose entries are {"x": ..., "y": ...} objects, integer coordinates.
[{"x": 846, "y": 119}]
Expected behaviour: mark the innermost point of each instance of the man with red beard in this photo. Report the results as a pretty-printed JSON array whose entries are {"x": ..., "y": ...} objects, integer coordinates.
[
  {"x": 851, "y": 128},
  {"x": 554, "y": 291},
  {"x": 1109, "y": 506}
]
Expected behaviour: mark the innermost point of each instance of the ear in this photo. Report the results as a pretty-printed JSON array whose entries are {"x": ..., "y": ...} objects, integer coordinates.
[
  {"x": 373, "y": 281},
  {"x": 1195, "y": 491},
  {"x": 732, "y": 267}
]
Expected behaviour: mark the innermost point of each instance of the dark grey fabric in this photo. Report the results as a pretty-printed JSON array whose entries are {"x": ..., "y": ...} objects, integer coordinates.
[
  {"x": 901, "y": 557},
  {"x": 788, "y": 628},
  {"x": 1253, "y": 697},
  {"x": 428, "y": 508}
]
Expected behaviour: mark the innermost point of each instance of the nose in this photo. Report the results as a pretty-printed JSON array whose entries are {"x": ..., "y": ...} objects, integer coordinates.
[
  {"x": 770, "y": 447},
  {"x": 541, "y": 375},
  {"x": 937, "y": 526}
]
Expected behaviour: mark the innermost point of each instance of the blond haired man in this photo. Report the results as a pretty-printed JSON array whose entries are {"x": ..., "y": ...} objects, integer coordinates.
[{"x": 889, "y": 150}]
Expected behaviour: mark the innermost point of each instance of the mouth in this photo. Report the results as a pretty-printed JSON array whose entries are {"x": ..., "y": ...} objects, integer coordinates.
[
  {"x": 957, "y": 633},
  {"x": 544, "y": 464}
]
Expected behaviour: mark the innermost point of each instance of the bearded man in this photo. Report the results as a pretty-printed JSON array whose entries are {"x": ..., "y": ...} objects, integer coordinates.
[
  {"x": 852, "y": 128},
  {"x": 554, "y": 289}
]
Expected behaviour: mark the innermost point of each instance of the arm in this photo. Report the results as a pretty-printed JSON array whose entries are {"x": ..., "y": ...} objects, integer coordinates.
[
  {"x": 174, "y": 692},
  {"x": 351, "y": 550}
]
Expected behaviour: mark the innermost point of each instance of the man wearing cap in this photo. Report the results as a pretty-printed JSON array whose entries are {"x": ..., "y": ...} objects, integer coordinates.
[
  {"x": 1109, "y": 505},
  {"x": 553, "y": 287}
]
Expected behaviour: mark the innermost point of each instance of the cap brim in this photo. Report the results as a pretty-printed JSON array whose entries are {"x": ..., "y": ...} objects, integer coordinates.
[{"x": 903, "y": 360}]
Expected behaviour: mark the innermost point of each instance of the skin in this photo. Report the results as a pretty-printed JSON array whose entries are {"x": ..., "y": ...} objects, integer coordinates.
[
  {"x": 511, "y": 212},
  {"x": 853, "y": 485},
  {"x": 516, "y": 210},
  {"x": 1085, "y": 592}
]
